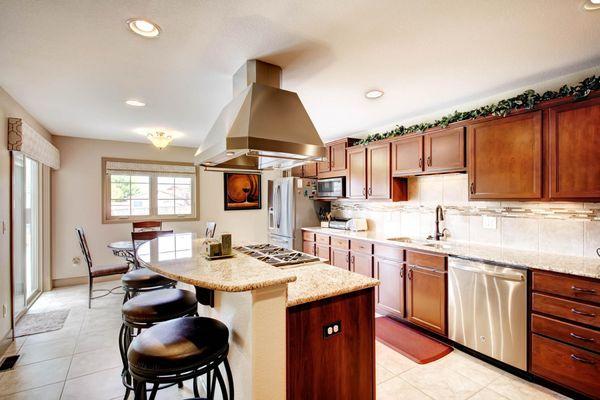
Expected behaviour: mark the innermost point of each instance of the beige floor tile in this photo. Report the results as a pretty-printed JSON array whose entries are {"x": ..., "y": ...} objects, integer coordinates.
[
  {"x": 441, "y": 383},
  {"x": 95, "y": 340},
  {"x": 382, "y": 374},
  {"x": 34, "y": 375},
  {"x": 519, "y": 389},
  {"x": 65, "y": 333},
  {"x": 36, "y": 352},
  {"x": 94, "y": 361},
  {"x": 470, "y": 367},
  {"x": 391, "y": 360},
  {"x": 399, "y": 389},
  {"x": 101, "y": 385},
  {"x": 50, "y": 392},
  {"x": 487, "y": 394}
]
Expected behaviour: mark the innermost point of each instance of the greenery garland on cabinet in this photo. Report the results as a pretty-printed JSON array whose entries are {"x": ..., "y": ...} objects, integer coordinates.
[{"x": 526, "y": 100}]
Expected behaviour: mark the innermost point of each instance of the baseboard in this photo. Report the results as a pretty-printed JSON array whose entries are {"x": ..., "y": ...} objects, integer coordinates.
[
  {"x": 80, "y": 280},
  {"x": 5, "y": 342}
]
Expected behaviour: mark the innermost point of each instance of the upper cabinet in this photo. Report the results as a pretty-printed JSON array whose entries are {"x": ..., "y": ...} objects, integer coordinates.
[
  {"x": 574, "y": 150},
  {"x": 434, "y": 152},
  {"x": 379, "y": 174},
  {"x": 356, "y": 184},
  {"x": 305, "y": 171},
  {"x": 336, "y": 164},
  {"x": 505, "y": 158}
]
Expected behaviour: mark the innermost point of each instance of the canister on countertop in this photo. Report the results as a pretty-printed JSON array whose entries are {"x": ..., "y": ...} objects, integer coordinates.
[
  {"x": 226, "y": 244},
  {"x": 212, "y": 248}
]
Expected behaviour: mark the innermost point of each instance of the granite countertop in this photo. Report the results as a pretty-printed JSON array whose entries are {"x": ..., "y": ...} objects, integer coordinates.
[
  {"x": 180, "y": 257},
  {"x": 581, "y": 266}
]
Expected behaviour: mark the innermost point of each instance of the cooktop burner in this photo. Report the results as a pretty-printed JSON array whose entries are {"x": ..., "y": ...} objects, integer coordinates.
[{"x": 275, "y": 255}]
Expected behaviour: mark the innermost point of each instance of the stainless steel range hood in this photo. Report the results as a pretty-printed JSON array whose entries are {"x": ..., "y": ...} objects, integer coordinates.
[{"x": 263, "y": 127}]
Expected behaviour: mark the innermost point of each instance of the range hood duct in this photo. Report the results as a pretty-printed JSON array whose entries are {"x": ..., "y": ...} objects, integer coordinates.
[{"x": 263, "y": 127}]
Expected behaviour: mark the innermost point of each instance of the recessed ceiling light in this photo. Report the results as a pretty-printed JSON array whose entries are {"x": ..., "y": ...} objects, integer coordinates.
[
  {"x": 143, "y": 27},
  {"x": 135, "y": 103},
  {"x": 374, "y": 94},
  {"x": 591, "y": 5}
]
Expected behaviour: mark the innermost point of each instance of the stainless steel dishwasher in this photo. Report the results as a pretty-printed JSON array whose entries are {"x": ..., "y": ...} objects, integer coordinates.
[{"x": 487, "y": 309}]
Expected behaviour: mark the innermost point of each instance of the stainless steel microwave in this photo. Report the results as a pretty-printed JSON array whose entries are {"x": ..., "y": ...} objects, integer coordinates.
[{"x": 331, "y": 188}]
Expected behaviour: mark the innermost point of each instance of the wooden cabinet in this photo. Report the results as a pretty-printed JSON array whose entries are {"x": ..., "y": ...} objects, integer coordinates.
[
  {"x": 338, "y": 156},
  {"x": 445, "y": 150},
  {"x": 325, "y": 165},
  {"x": 505, "y": 158},
  {"x": 407, "y": 156},
  {"x": 309, "y": 248},
  {"x": 340, "y": 258},
  {"x": 336, "y": 164},
  {"x": 322, "y": 251},
  {"x": 379, "y": 176},
  {"x": 361, "y": 263},
  {"x": 574, "y": 150},
  {"x": 390, "y": 292},
  {"x": 356, "y": 184},
  {"x": 305, "y": 171}
]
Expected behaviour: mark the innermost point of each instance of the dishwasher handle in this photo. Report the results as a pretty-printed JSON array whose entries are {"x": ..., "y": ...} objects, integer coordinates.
[{"x": 508, "y": 276}]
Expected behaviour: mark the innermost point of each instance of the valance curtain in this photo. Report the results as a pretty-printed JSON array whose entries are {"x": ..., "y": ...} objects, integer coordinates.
[
  {"x": 147, "y": 168},
  {"x": 23, "y": 138}
]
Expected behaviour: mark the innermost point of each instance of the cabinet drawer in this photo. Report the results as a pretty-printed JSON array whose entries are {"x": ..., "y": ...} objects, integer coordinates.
[
  {"x": 566, "y": 365},
  {"x": 426, "y": 260},
  {"x": 567, "y": 309},
  {"x": 339, "y": 243},
  {"x": 565, "y": 332},
  {"x": 308, "y": 236},
  {"x": 360, "y": 246},
  {"x": 567, "y": 286},
  {"x": 322, "y": 239},
  {"x": 390, "y": 252}
]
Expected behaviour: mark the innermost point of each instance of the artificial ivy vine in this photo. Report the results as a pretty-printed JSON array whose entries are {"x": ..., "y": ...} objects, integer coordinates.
[{"x": 526, "y": 100}]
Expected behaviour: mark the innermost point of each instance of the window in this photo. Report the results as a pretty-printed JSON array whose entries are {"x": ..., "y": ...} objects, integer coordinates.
[{"x": 137, "y": 190}]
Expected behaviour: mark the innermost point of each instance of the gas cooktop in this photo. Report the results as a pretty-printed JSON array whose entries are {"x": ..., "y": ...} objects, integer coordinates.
[{"x": 275, "y": 255}]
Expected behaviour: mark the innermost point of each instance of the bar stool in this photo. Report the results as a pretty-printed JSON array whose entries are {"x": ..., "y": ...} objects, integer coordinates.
[
  {"x": 147, "y": 309},
  {"x": 140, "y": 279},
  {"x": 178, "y": 350}
]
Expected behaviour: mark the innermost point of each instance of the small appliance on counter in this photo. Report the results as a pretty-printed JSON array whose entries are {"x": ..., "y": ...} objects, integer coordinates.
[
  {"x": 349, "y": 224},
  {"x": 338, "y": 223}
]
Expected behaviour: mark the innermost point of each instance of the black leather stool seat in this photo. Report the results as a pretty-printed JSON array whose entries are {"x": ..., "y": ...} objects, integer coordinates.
[
  {"x": 159, "y": 305},
  {"x": 143, "y": 278},
  {"x": 177, "y": 346}
]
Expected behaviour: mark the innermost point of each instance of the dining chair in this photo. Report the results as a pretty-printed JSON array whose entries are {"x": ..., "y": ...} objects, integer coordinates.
[
  {"x": 96, "y": 271},
  {"x": 144, "y": 226},
  {"x": 211, "y": 227}
]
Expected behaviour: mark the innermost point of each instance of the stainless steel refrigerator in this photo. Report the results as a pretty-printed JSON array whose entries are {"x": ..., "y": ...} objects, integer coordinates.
[{"x": 290, "y": 209}]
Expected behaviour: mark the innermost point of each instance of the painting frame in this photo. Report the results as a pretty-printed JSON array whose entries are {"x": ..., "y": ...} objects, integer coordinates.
[{"x": 234, "y": 204}]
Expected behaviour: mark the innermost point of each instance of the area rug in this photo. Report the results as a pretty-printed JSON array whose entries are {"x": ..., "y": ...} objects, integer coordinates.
[
  {"x": 33, "y": 323},
  {"x": 409, "y": 342}
]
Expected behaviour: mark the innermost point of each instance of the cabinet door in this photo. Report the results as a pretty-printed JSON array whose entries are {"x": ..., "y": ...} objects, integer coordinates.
[
  {"x": 407, "y": 156},
  {"x": 340, "y": 258},
  {"x": 378, "y": 171},
  {"x": 426, "y": 298},
  {"x": 362, "y": 264},
  {"x": 297, "y": 172},
  {"x": 322, "y": 251},
  {"x": 356, "y": 186},
  {"x": 308, "y": 248},
  {"x": 390, "y": 292},
  {"x": 325, "y": 166},
  {"x": 445, "y": 150},
  {"x": 505, "y": 158},
  {"x": 574, "y": 157},
  {"x": 338, "y": 157},
  {"x": 309, "y": 170}
]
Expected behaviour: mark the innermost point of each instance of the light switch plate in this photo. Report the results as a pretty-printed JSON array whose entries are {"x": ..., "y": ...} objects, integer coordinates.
[{"x": 489, "y": 222}]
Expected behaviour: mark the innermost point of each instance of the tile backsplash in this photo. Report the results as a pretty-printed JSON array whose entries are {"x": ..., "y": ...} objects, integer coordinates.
[{"x": 563, "y": 228}]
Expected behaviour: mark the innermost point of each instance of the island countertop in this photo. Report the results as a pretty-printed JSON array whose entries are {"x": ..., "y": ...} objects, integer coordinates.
[{"x": 180, "y": 257}]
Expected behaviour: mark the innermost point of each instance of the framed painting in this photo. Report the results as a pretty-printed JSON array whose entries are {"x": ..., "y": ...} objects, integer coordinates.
[{"x": 242, "y": 191}]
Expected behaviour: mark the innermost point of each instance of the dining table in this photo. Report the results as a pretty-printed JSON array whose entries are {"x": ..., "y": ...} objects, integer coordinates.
[{"x": 124, "y": 249}]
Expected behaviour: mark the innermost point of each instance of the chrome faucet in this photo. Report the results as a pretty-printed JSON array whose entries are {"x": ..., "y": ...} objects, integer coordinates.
[{"x": 439, "y": 216}]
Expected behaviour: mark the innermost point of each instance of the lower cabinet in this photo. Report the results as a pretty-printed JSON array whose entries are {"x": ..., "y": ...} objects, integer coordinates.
[
  {"x": 390, "y": 292},
  {"x": 309, "y": 248},
  {"x": 322, "y": 251},
  {"x": 426, "y": 298},
  {"x": 361, "y": 263},
  {"x": 340, "y": 258}
]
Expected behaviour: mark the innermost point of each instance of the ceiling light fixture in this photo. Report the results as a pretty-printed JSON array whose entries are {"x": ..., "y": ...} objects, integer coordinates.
[
  {"x": 373, "y": 94},
  {"x": 160, "y": 139},
  {"x": 591, "y": 5},
  {"x": 143, "y": 27},
  {"x": 135, "y": 103}
]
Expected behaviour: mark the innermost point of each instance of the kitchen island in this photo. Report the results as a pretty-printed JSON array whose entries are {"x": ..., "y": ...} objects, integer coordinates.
[{"x": 289, "y": 327}]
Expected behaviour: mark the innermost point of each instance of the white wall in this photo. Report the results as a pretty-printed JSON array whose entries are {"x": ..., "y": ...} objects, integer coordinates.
[
  {"x": 77, "y": 201},
  {"x": 8, "y": 108}
]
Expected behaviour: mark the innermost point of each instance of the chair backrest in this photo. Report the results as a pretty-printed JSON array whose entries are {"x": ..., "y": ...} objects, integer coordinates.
[
  {"x": 142, "y": 226},
  {"x": 145, "y": 236},
  {"x": 84, "y": 248},
  {"x": 211, "y": 227}
]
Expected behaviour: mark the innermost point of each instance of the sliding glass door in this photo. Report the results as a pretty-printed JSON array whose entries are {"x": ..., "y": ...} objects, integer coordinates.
[{"x": 26, "y": 232}]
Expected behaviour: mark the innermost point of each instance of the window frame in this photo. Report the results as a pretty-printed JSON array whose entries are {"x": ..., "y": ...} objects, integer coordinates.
[{"x": 107, "y": 218}]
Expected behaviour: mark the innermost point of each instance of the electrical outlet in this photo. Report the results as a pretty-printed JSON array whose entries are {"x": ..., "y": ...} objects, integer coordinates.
[
  {"x": 76, "y": 261},
  {"x": 4, "y": 310},
  {"x": 489, "y": 222},
  {"x": 335, "y": 328}
]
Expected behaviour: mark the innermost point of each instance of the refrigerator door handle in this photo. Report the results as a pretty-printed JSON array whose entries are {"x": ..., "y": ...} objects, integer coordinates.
[{"x": 278, "y": 205}]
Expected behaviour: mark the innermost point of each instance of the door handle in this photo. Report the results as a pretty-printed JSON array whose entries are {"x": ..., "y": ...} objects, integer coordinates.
[
  {"x": 429, "y": 161},
  {"x": 581, "y": 290},
  {"x": 472, "y": 188},
  {"x": 410, "y": 273},
  {"x": 420, "y": 163},
  {"x": 584, "y": 314},
  {"x": 402, "y": 272},
  {"x": 585, "y": 339}
]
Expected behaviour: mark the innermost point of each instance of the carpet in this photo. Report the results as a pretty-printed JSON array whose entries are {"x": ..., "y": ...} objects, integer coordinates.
[
  {"x": 33, "y": 323},
  {"x": 409, "y": 342}
]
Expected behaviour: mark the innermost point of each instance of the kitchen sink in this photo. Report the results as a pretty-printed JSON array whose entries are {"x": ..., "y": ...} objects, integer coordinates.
[
  {"x": 438, "y": 245},
  {"x": 404, "y": 240}
]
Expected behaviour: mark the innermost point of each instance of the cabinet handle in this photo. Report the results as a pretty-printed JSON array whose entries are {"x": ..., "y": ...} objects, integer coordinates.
[
  {"x": 581, "y": 290},
  {"x": 370, "y": 191},
  {"x": 410, "y": 273},
  {"x": 364, "y": 191},
  {"x": 420, "y": 163},
  {"x": 581, "y": 359},
  {"x": 472, "y": 188},
  {"x": 353, "y": 261},
  {"x": 585, "y": 339},
  {"x": 575, "y": 311},
  {"x": 347, "y": 258},
  {"x": 429, "y": 161},
  {"x": 401, "y": 272}
]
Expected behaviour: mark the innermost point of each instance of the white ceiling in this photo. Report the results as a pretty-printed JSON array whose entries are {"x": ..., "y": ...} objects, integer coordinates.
[{"x": 73, "y": 63}]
